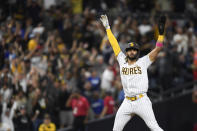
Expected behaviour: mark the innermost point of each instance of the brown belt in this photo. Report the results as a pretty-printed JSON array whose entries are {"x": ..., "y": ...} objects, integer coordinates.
[{"x": 134, "y": 98}]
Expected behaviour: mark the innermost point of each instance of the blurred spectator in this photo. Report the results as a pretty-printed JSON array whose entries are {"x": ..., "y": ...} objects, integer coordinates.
[
  {"x": 165, "y": 5},
  {"x": 33, "y": 43},
  {"x": 109, "y": 105},
  {"x": 97, "y": 104},
  {"x": 194, "y": 96},
  {"x": 179, "y": 5},
  {"x": 107, "y": 78},
  {"x": 38, "y": 108},
  {"x": 47, "y": 124},
  {"x": 33, "y": 11},
  {"x": 106, "y": 50},
  {"x": 191, "y": 37},
  {"x": 121, "y": 96},
  {"x": 99, "y": 65},
  {"x": 123, "y": 42},
  {"x": 87, "y": 91},
  {"x": 144, "y": 27},
  {"x": 195, "y": 64},
  {"x": 6, "y": 93},
  {"x": 8, "y": 112},
  {"x": 80, "y": 106},
  {"x": 180, "y": 40},
  {"x": 22, "y": 121},
  {"x": 3, "y": 126},
  {"x": 65, "y": 114},
  {"x": 141, "y": 5},
  {"x": 94, "y": 80},
  {"x": 77, "y": 6},
  {"x": 195, "y": 127},
  {"x": 2, "y": 57},
  {"x": 163, "y": 64}
]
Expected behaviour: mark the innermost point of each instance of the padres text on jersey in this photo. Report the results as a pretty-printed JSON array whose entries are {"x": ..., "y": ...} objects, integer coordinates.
[{"x": 131, "y": 71}]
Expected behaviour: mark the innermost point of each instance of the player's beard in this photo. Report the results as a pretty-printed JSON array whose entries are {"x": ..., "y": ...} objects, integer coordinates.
[{"x": 134, "y": 57}]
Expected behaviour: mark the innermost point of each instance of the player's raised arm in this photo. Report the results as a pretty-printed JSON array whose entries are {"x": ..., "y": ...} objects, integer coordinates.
[
  {"x": 161, "y": 25},
  {"x": 112, "y": 39}
]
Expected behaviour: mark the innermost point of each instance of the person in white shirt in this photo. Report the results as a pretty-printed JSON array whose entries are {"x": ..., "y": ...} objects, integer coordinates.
[
  {"x": 4, "y": 127},
  {"x": 107, "y": 78},
  {"x": 8, "y": 114},
  {"x": 180, "y": 39},
  {"x": 6, "y": 93}
]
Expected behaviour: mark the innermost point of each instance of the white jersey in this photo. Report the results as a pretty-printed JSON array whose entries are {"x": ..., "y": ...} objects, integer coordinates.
[{"x": 134, "y": 77}]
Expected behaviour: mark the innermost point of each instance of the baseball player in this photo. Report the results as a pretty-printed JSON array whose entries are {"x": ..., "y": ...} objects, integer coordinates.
[{"x": 134, "y": 78}]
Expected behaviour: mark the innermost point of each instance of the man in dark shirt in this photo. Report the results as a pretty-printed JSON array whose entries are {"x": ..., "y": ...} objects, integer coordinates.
[
  {"x": 23, "y": 122},
  {"x": 65, "y": 114}
]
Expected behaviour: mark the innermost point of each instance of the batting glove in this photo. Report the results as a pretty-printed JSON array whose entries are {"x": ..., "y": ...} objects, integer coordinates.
[{"x": 105, "y": 21}]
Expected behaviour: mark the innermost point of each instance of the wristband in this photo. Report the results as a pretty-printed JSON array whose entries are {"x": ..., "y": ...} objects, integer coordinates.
[
  {"x": 108, "y": 27},
  {"x": 161, "y": 38},
  {"x": 158, "y": 44}
]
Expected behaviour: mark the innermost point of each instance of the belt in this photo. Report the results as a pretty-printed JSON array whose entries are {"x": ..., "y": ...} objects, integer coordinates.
[{"x": 134, "y": 98}]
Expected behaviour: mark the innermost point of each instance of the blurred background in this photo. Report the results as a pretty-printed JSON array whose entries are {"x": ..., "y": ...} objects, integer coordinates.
[{"x": 55, "y": 50}]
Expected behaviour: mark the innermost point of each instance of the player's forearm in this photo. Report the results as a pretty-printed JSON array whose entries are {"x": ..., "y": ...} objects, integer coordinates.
[
  {"x": 159, "y": 45},
  {"x": 113, "y": 42},
  {"x": 161, "y": 27},
  {"x": 154, "y": 53}
]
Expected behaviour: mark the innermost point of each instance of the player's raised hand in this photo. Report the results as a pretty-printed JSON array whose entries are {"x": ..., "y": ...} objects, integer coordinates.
[
  {"x": 105, "y": 21},
  {"x": 161, "y": 24}
]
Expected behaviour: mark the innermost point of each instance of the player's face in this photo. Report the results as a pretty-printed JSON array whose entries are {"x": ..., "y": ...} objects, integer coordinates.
[{"x": 132, "y": 54}]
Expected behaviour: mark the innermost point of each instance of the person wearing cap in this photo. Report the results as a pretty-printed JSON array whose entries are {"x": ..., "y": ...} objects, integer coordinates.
[
  {"x": 134, "y": 78},
  {"x": 47, "y": 125},
  {"x": 80, "y": 106}
]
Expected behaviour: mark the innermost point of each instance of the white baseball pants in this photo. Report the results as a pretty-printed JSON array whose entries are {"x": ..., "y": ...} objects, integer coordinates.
[{"x": 141, "y": 107}]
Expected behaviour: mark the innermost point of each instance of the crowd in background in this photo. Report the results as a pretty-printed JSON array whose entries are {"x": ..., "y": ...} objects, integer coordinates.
[{"x": 50, "y": 52}]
